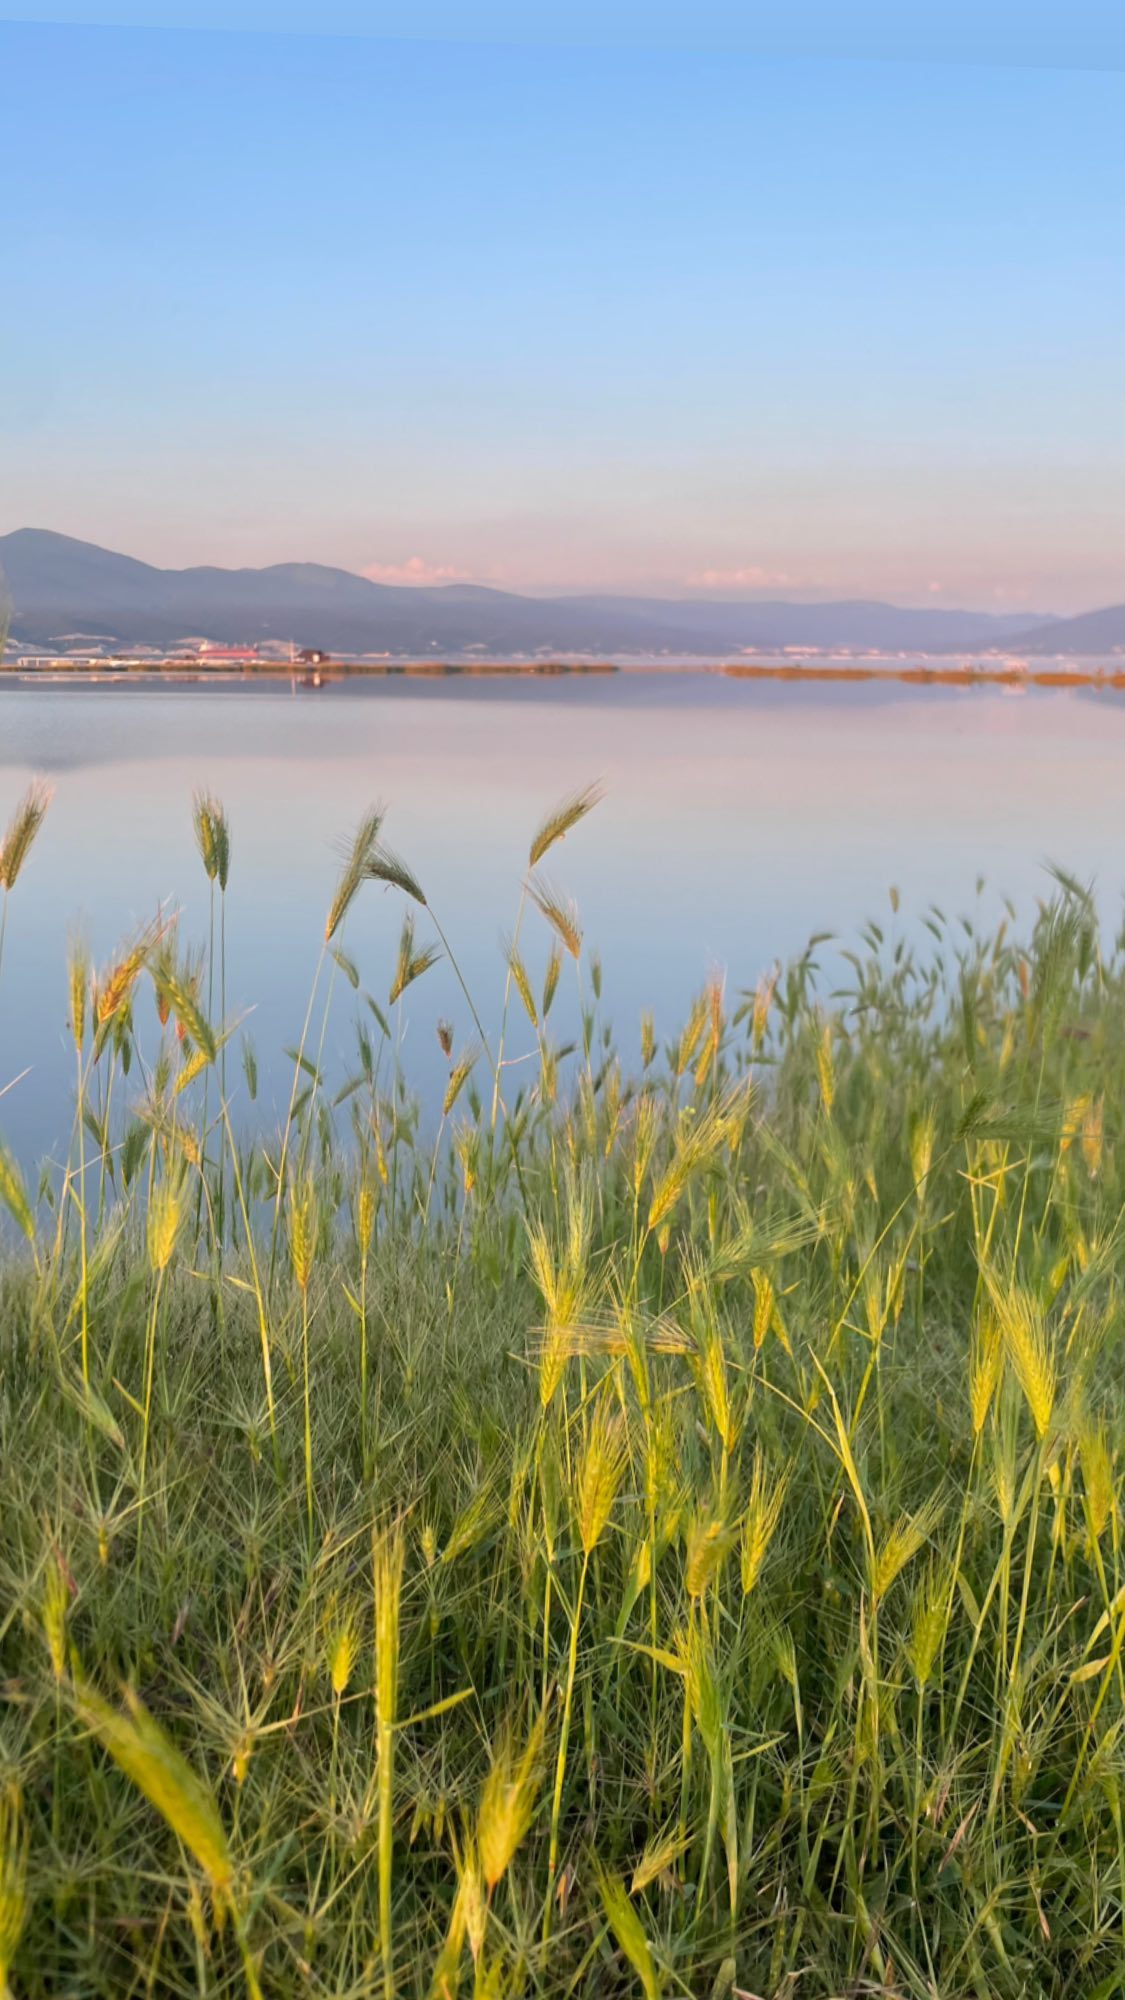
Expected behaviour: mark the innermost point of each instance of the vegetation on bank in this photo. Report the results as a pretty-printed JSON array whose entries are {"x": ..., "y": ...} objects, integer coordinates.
[
  {"x": 651, "y": 1534},
  {"x": 190, "y": 668}
]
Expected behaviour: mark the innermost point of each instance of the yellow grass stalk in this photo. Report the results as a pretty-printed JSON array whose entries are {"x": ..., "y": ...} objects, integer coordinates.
[
  {"x": 56, "y": 1605},
  {"x": 1098, "y": 1478},
  {"x": 600, "y": 1471},
  {"x": 165, "y": 1217},
  {"x": 826, "y": 1068},
  {"x": 388, "y": 1554},
  {"x": 304, "y": 1224},
  {"x": 627, "y": 1928},
  {"x": 14, "y": 1841}
]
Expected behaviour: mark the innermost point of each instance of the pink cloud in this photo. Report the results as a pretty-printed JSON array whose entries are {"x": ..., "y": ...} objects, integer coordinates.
[
  {"x": 414, "y": 570},
  {"x": 749, "y": 577}
]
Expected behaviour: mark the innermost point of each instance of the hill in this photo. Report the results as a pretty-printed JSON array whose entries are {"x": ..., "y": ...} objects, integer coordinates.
[
  {"x": 1093, "y": 633},
  {"x": 62, "y": 590}
]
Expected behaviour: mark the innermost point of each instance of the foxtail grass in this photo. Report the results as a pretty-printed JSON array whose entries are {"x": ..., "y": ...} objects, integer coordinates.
[{"x": 725, "y": 1435}]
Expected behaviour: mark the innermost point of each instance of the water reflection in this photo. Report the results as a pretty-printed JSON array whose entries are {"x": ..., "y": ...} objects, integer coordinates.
[{"x": 738, "y": 818}]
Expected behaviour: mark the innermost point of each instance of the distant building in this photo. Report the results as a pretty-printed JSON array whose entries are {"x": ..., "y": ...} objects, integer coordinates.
[
  {"x": 313, "y": 656},
  {"x": 228, "y": 655}
]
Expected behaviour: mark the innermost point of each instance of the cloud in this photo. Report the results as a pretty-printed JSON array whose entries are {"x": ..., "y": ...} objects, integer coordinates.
[
  {"x": 414, "y": 570},
  {"x": 749, "y": 577}
]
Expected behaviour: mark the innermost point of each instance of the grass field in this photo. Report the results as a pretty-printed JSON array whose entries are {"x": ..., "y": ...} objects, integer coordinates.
[{"x": 646, "y": 1533}]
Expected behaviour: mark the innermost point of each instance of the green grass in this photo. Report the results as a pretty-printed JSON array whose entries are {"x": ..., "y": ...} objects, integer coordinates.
[{"x": 659, "y": 1535}]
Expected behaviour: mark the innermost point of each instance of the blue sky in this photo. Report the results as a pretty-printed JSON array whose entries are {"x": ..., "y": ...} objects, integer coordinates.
[{"x": 558, "y": 315}]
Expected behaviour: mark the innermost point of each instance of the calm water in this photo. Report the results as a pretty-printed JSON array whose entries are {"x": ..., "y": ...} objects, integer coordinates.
[{"x": 739, "y": 818}]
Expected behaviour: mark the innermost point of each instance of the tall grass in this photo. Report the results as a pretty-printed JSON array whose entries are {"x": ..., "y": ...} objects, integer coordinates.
[{"x": 635, "y": 1530}]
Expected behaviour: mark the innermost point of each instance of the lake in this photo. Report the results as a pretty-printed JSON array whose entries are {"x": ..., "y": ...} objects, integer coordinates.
[{"x": 738, "y": 818}]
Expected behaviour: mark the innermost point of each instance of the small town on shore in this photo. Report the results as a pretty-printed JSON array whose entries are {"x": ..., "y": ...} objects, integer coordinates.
[{"x": 316, "y": 667}]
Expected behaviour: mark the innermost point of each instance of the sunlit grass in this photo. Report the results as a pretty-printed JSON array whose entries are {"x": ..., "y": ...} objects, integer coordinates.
[{"x": 617, "y": 1531}]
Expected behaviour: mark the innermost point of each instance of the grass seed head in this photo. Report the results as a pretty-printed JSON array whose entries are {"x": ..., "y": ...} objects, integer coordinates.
[
  {"x": 165, "y": 1218},
  {"x": 764, "y": 1507},
  {"x": 212, "y": 837},
  {"x": 357, "y": 862},
  {"x": 708, "y": 1542},
  {"x": 459, "y": 1076},
  {"x": 522, "y": 982},
  {"x": 1098, "y": 1478},
  {"x": 343, "y": 1651},
  {"x": 985, "y": 1367},
  {"x": 507, "y": 1804},
  {"x": 1028, "y": 1347},
  {"x": 78, "y": 983},
  {"x": 765, "y": 1305},
  {"x": 551, "y": 979},
  {"x": 929, "y": 1619},
  {"x": 22, "y": 829},
  {"x": 151, "y": 1762},
  {"x": 366, "y": 1206},
  {"x": 561, "y": 915},
  {"x": 601, "y": 1469},
  {"x": 410, "y": 964},
  {"x": 901, "y": 1544},
  {"x": 660, "y": 1854},
  {"x": 389, "y": 868},
  {"x": 629, "y": 1932},
  {"x": 561, "y": 819},
  {"x": 304, "y": 1225},
  {"x": 763, "y": 1001},
  {"x": 826, "y": 1068},
  {"x": 56, "y": 1607},
  {"x": 388, "y": 1557}
]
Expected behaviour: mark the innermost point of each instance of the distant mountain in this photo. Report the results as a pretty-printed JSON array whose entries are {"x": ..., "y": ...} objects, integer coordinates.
[
  {"x": 63, "y": 591},
  {"x": 1093, "y": 632}
]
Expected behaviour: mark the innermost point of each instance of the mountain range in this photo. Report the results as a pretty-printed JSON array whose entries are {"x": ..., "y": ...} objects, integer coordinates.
[{"x": 65, "y": 593}]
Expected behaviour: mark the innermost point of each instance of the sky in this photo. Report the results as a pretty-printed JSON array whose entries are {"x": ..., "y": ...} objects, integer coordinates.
[{"x": 631, "y": 303}]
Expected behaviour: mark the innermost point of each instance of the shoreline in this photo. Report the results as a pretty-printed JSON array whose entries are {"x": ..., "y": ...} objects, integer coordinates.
[{"x": 923, "y": 673}]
